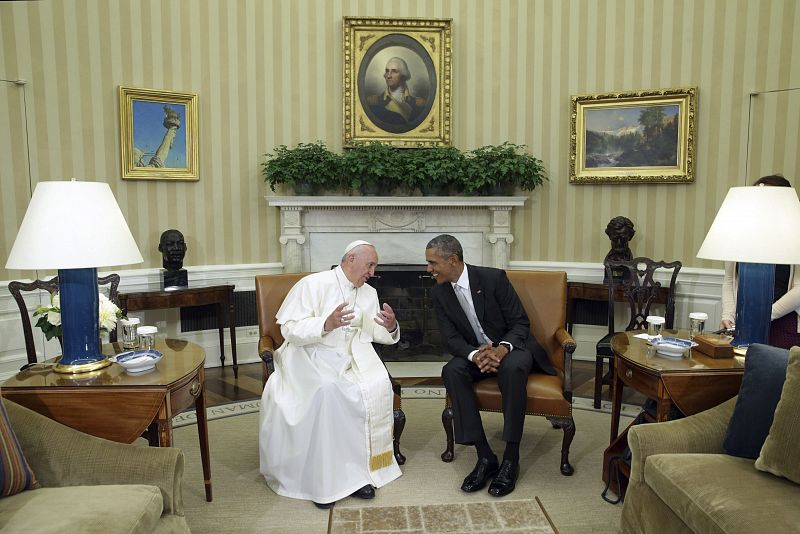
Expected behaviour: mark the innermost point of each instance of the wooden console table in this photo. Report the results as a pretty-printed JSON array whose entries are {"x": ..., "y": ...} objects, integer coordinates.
[
  {"x": 119, "y": 406},
  {"x": 158, "y": 299},
  {"x": 693, "y": 384},
  {"x": 598, "y": 292}
]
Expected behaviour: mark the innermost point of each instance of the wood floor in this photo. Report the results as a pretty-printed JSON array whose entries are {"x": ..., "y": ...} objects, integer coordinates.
[{"x": 222, "y": 387}]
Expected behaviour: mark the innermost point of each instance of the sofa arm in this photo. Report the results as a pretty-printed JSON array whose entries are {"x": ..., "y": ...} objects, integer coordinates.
[
  {"x": 61, "y": 456},
  {"x": 700, "y": 433}
]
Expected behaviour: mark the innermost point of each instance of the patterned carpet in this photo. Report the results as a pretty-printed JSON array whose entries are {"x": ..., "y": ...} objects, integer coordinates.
[{"x": 527, "y": 515}]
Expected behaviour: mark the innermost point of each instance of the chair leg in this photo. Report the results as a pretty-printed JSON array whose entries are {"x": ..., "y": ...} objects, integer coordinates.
[
  {"x": 598, "y": 380},
  {"x": 399, "y": 425},
  {"x": 568, "y": 425},
  {"x": 447, "y": 423}
]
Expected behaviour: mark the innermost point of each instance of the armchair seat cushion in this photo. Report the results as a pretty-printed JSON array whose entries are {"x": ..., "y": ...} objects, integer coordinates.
[
  {"x": 84, "y": 509},
  {"x": 545, "y": 395},
  {"x": 722, "y": 493}
]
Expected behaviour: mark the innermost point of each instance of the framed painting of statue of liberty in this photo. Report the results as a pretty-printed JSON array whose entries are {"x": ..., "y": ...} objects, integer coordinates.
[
  {"x": 634, "y": 137},
  {"x": 158, "y": 134}
]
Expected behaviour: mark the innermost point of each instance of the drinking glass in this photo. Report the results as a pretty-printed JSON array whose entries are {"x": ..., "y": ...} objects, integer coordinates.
[
  {"x": 130, "y": 336},
  {"x": 697, "y": 324},
  {"x": 147, "y": 337},
  {"x": 655, "y": 325}
]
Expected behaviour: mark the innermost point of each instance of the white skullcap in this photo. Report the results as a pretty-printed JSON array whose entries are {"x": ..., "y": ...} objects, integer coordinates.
[{"x": 354, "y": 244}]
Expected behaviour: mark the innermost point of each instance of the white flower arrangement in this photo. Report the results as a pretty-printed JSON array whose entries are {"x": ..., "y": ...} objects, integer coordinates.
[{"x": 50, "y": 316}]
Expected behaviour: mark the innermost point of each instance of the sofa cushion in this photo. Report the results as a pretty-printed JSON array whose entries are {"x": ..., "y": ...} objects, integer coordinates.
[
  {"x": 764, "y": 372},
  {"x": 83, "y": 509},
  {"x": 15, "y": 473},
  {"x": 780, "y": 454},
  {"x": 722, "y": 493}
]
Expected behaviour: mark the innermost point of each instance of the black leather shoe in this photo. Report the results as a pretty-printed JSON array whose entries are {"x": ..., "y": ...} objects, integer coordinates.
[
  {"x": 324, "y": 505},
  {"x": 506, "y": 479},
  {"x": 484, "y": 470},
  {"x": 367, "y": 492}
]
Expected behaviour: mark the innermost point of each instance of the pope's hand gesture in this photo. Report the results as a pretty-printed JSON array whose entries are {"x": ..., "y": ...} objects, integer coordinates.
[
  {"x": 386, "y": 318},
  {"x": 339, "y": 317}
]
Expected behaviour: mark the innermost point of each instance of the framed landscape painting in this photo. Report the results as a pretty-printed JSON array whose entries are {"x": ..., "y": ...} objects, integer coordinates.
[
  {"x": 397, "y": 81},
  {"x": 634, "y": 137},
  {"x": 158, "y": 134}
]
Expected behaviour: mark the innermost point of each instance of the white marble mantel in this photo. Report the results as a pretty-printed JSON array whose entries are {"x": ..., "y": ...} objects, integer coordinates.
[{"x": 315, "y": 229}]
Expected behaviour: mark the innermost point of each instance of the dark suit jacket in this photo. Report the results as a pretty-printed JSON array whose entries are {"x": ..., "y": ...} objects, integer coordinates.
[{"x": 499, "y": 311}]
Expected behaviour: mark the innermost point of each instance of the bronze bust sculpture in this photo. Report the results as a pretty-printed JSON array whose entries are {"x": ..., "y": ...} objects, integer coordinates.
[
  {"x": 173, "y": 248},
  {"x": 620, "y": 231}
]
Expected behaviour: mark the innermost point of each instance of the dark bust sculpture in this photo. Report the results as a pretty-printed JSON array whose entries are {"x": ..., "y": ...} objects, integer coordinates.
[
  {"x": 173, "y": 248},
  {"x": 620, "y": 231}
]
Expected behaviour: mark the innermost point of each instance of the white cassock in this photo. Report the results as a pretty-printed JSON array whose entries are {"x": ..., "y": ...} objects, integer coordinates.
[{"x": 326, "y": 413}]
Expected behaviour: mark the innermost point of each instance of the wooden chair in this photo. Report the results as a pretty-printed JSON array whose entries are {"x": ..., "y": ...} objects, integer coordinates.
[
  {"x": 544, "y": 297},
  {"x": 633, "y": 282},
  {"x": 271, "y": 290},
  {"x": 51, "y": 286}
]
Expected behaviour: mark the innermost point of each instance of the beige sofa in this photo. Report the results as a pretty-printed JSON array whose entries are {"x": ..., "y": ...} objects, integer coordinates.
[
  {"x": 681, "y": 481},
  {"x": 90, "y": 484}
]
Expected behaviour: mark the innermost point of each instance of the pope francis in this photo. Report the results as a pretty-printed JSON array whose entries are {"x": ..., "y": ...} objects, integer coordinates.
[{"x": 326, "y": 413}]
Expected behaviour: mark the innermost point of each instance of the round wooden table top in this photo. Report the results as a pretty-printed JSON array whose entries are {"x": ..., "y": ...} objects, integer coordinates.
[
  {"x": 639, "y": 352},
  {"x": 180, "y": 359}
]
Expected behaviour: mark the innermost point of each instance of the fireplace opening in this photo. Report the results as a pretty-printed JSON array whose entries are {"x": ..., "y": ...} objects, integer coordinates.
[{"x": 406, "y": 287}]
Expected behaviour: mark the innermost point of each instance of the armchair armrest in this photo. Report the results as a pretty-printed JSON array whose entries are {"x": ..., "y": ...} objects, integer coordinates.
[
  {"x": 62, "y": 456},
  {"x": 700, "y": 433},
  {"x": 266, "y": 347},
  {"x": 568, "y": 344}
]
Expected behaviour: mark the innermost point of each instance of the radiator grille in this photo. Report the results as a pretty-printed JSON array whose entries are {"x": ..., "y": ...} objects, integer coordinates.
[{"x": 205, "y": 317}]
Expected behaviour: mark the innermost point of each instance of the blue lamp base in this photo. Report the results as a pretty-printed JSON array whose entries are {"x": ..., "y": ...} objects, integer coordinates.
[
  {"x": 80, "y": 322},
  {"x": 754, "y": 303}
]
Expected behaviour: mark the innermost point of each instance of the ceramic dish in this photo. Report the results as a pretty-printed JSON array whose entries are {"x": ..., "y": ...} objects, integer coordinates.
[
  {"x": 672, "y": 347},
  {"x": 138, "y": 361}
]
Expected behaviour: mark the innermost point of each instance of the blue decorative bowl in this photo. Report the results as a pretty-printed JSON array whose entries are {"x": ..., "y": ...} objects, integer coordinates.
[
  {"x": 137, "y": 361},
  {"x": 672, "y": 347}
]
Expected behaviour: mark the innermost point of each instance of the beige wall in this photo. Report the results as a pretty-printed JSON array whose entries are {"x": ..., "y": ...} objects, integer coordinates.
[{"x": 269, "y": 72}]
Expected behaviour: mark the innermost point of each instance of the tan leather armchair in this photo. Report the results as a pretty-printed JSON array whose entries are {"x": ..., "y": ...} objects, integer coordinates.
[
  {"x": 271, "y": 290},
  {"x": 544, "y": 297}
]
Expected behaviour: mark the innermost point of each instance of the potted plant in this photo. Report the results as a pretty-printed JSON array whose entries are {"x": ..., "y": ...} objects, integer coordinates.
[
  {"x": 498, "y": 169},
  {"x": 306, "y": 168},
  {"x": 433, "y": 169},
  {"x": 371, "y": 168}
]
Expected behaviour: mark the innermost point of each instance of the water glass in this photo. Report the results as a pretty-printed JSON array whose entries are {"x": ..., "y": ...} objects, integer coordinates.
[
  {"x": 147, "y": 337},
  {"x": 655, "y": 325},
  {"x": 697, "y": 324},
  {"x": 130, "y": 336}
]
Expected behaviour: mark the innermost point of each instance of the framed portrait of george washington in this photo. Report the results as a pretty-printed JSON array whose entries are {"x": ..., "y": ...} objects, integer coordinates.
[
  {"x": 633, "y": 137},
  {"x": 158, "y": 134},
  {"x": 397, "y": 75}
]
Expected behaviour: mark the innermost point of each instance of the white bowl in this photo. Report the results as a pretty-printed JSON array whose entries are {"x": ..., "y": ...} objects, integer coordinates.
[
  {"x": 138, "y": 361},
  {"x": 673, "y": 347}
]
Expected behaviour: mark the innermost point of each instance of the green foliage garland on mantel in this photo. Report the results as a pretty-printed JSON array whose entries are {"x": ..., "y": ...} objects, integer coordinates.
[{"x": 378, "y": 168}]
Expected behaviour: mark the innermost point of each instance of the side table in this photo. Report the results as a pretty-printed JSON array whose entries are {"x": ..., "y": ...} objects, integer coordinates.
[
  {"x": 693, "y": 384},
  {"x": 119, "y": 406},
  {"x": 158, "y": 299}
]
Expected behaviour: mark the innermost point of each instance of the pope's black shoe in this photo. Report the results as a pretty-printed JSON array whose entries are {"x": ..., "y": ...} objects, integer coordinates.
[
  {"x": 367, "y": 492},
  {"x": 505, "y": 480},
  {"x": 484, "y": 470},
  {"x": 324, "y": 505}
]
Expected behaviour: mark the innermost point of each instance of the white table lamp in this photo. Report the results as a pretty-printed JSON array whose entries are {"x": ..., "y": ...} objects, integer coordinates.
[
  {"x": 75, "y": 227},
  {"x": 757, "y": 227}
]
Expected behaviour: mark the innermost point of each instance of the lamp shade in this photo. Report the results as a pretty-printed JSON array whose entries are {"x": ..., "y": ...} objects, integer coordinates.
[
  {"x": 755, "y": 224},
  {"x": 73, "y": 225}
]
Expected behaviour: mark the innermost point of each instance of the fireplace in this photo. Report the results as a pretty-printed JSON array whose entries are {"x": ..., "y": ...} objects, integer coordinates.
[{"x": 406, "y": 289}]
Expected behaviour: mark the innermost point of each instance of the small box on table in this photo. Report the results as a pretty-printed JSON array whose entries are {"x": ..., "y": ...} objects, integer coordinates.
[{"x": 714, "y": 345}]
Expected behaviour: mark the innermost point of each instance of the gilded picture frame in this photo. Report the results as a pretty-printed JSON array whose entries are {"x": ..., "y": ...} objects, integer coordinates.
[
  {"x": 158, "y": 134},
  {"x": 397, "y": 79},
  {"x": 633, "y": 137}
]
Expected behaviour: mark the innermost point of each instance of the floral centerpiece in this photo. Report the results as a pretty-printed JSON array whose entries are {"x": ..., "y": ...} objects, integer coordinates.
[{"x": 50, "y": 316}]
